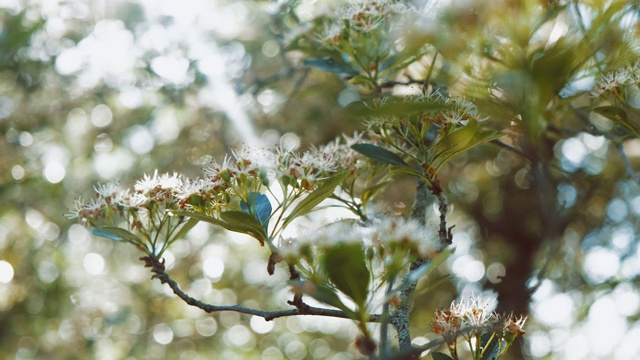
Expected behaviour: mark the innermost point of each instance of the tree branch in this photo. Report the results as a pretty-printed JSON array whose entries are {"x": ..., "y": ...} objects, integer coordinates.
[
  {"x": 157, "y": 268},
  {"x": 400, "y": 317}
]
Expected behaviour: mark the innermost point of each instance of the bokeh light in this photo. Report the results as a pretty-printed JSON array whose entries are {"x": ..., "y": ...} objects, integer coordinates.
[{"x": 6, "y": 272}]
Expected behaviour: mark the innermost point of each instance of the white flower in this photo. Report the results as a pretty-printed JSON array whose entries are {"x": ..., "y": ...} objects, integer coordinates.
[
  {"x": 87, "y": 211},
  {"x": 610, "y": 81},
  {"x": 473, "y": 312},
  {"x": 160, "y": 187},
  {"x": 344, "y": 156},
  {"x": 128, "y": 200},
  {"x": 107, "y": 191}
]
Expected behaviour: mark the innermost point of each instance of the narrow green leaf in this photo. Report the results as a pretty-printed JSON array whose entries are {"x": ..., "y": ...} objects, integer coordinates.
[
  {"x": 200, "y": 217},
  {"x": 393, "y": 107},
  {"x": 316, "y": 197},
  {"x": 439, "y": 260},
  {"x": 457, "y": 139},
  {"x": 613, "y": 113},
  {"x": 186, "y": 227},
  {"x": 347, "y": 270},
  {"x": 460, "y": 141},
  {"x": 407, "y": 171},
  {"x": 380, "y": 154},
  {"x": 106, "y": 234},
  {"x": 619, "y": 116},
  {"x": 360, "y": 80},
  {"x": 373, "y": 191},
  {"x": 441, "y": 356},
  {"x": 117, "y": 234}
]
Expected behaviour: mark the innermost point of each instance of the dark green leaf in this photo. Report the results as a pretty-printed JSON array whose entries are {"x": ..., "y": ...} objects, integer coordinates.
[
  {"x": 441, "y": 356},
  {"x": 380, "y": 154},
  {"x": 316, "y": 197},
  {"x": 347, "y": 270},
  {"x": 329, "y": 64},
  {"x": 491, "y": 346}
]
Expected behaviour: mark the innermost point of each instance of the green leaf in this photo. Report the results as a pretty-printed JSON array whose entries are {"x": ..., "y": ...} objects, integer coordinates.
[
  {"x": 459, "y": 141},
  {"x": 186, "y": 227},
  {"x": 345, "y": 265},
  {"x": 619, "y": 116},
  {"x": 428, "y": 268},
  {"x": 380, "y": 154},
  {"x": 408, "y": 171},
  {"x": 242, "y": 222},
  {"x": 491, "y": 346},
  {"x": 360, "y": 80},
  {"x": 200, "y": 217},
  {"x": 373, "y": 191},
  {"x": 316, "y": 197},
  {"x": 325, "y": 295},
  {"x": 106, "y": 234},
  {"x": 116, "y": 233},
  {"x": 439, "y": 260},
  {"x": 394, "y": 107},
  {"x": 236, "y": 221},
  {"x": 441, "y": 356}
]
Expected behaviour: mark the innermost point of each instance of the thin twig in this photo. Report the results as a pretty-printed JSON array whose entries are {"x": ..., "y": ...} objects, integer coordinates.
[
  {"x": 410, "y": 81},
  {"x": 510, "y": 148},
  {"x": 384, "y": 337}
]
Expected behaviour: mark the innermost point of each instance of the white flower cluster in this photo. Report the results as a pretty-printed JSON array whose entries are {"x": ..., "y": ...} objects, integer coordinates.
[
  {"x": 474, "y": 313},
  {"x": 362, "y": 16},
  {"x": 611, "y": 81},
  {"x": 439, "y": 109},
  {"x": 239, "y": 174},
  {"x": 111, "y": 201}
]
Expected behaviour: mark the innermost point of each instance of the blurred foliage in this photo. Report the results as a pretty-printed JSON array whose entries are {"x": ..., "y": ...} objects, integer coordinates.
[{"x": 96, "y": 91}]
